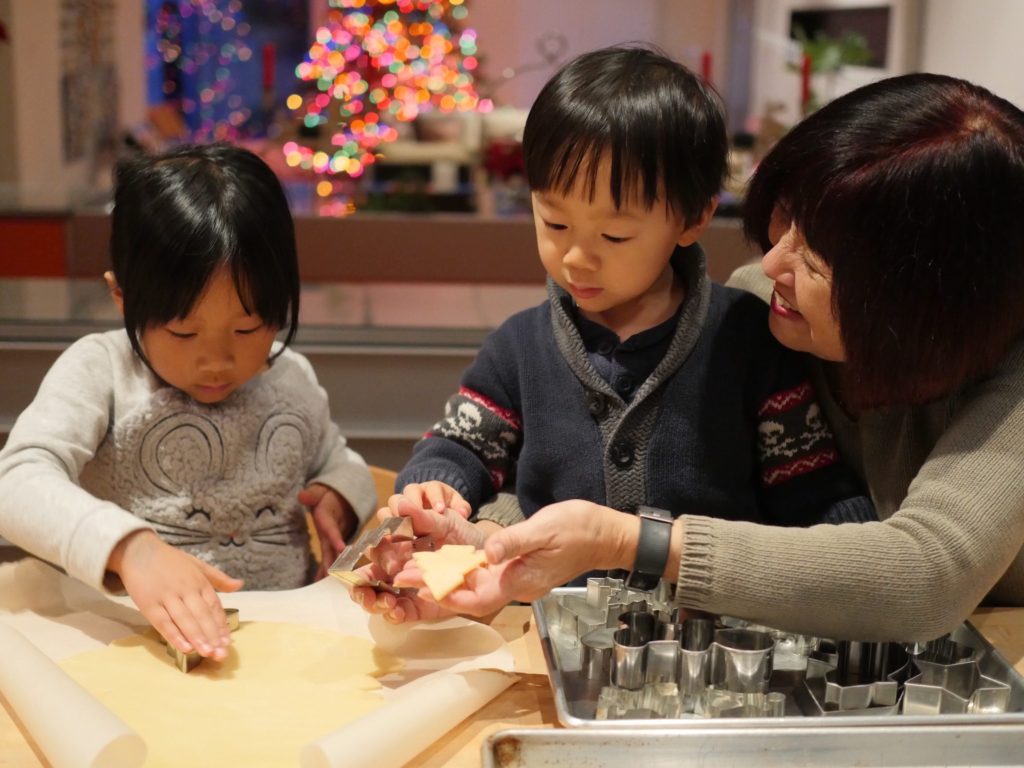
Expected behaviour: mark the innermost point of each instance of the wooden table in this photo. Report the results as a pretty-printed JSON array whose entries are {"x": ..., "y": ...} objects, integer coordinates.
[{"x": 528, "y": 702}]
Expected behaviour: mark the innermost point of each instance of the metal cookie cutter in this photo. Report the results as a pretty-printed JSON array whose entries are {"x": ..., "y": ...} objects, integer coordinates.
[
  {"x": 741, "y": 660},
  {"x": 343, "y": 567},
  {"x": 857, "y": 678},
  {"x": 957, "y": 688},
  {"x": 186, "y": 662}
]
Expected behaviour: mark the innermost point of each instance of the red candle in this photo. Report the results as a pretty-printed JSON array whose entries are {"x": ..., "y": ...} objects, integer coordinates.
[
  {"x": 269, "y": 54},
  {"x": 805, "y": 81},
  {"x": 705, "y": 66}
]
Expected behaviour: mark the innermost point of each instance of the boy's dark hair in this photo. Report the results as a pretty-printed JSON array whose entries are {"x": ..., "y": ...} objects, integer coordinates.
[
  {"x": 180, "y": 216},
  {"x": 660, "y": 125},
  {"x": 911, "y": 190}
]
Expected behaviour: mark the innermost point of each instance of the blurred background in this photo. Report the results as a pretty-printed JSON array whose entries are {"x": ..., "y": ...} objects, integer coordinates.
[{"x": 395, "y": 127}]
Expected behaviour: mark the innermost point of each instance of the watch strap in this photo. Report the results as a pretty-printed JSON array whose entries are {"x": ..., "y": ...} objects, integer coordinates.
[{"x": 652, "y": 548}]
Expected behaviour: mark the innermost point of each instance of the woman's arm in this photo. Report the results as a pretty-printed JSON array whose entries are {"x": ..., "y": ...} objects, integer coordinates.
[{"x": 913, "y": 576}]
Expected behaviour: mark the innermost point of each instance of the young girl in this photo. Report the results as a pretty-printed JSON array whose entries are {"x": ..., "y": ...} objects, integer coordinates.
[{"x": 182, "y": 449}]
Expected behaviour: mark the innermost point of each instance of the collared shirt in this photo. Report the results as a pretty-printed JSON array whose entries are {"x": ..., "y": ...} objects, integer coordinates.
[{"x": 625, "y": 365}]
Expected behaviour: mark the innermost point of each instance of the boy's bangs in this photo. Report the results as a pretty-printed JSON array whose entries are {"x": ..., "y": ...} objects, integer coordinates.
[{"x": 576, "y": 162}]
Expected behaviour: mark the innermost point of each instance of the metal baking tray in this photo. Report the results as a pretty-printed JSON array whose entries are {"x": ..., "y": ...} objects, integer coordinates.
[
  {"x": 576, "y": 698},
  {"x": 906, "y": 746}
]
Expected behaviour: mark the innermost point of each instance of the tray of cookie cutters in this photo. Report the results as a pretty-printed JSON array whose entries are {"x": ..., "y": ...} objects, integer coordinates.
[{"x": 624, "y": 659}]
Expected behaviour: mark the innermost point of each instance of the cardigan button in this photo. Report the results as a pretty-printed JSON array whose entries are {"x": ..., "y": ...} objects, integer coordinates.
[
  {"x": 623, "y": 455},
  {"x": 596, "y": 403},
  {"x": 624, "y": 385}
]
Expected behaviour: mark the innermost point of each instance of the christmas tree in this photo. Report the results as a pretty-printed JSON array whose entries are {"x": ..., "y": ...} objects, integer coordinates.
[{"x": 376, "y": 63}]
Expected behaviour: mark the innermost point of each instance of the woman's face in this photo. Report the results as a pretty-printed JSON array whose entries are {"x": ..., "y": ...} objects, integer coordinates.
[{"x": 801, "y": 308}]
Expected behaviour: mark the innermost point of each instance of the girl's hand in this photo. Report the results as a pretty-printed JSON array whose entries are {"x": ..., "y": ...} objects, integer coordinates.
[
  {"x": 333, "y": 519},
  {"x": 175, "y": 592}
]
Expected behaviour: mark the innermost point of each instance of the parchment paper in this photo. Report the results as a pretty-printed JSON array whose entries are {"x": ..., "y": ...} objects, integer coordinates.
[{"x": 452, "y": 667}]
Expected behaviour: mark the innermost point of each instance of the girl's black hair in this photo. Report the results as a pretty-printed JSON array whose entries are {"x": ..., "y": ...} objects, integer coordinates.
[
  {"x": 659, "y": 124},
  {"x": 911, "y": 190},
  {"x": 180, "y": 216}
]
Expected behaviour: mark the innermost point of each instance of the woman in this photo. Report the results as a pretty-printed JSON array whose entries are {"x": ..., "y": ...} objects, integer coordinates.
[{"x": 893, "y": 224}]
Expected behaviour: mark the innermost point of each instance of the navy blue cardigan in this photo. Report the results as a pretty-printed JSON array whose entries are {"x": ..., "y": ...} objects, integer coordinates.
[{"x": 726, "y": 426}]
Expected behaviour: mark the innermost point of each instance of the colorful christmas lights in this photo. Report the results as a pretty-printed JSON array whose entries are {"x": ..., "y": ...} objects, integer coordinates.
[
  {"x": 377, "y": 63},
  {"x": 202, "y": 39}
]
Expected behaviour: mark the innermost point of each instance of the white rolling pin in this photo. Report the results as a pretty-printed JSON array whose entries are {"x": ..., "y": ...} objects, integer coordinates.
[
  {"x": 69, "y": 726},
  {"x": 422, "y": 712}
]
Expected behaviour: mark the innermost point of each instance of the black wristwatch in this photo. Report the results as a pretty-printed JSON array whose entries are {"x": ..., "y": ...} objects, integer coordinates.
[{"x": 651, "y": 549}]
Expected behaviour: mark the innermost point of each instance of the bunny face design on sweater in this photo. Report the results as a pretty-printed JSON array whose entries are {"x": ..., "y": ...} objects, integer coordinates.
[{"x": 221, "y": 483}]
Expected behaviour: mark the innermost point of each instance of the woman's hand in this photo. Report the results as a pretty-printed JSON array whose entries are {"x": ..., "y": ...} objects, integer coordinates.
[
  {"x": 393, "y": 557},
  {"x": 333, "y": 519},
  {"x": 175, "y": 592},
  {"x": 552, "y": 547},
  {"x": 431, "y": 509}
]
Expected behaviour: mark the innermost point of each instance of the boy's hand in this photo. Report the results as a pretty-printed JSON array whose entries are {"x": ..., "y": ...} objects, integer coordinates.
[
  {"x": 333, "y": 519},
  {"x": 392, "y": 557},
  {"x": 431, "y": 495},
  {"x": 175, "y": 592}
]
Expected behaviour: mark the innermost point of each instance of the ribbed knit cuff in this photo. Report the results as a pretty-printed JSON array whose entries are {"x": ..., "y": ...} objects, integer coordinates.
[
  {"x": 693, "y": 586},
  {"x": 503, "y": 509}
]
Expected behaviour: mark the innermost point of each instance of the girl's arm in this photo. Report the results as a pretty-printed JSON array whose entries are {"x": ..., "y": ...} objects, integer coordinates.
[
  {"x": 42, "y": 508},
  {"x": 45, "y": 511}
]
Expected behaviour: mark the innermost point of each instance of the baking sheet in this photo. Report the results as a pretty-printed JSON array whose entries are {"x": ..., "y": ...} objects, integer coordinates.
[
  {"x": 905, "y": 746},
  {"x": 452, "y": 667},
  {"x": 576, "y": 697}
]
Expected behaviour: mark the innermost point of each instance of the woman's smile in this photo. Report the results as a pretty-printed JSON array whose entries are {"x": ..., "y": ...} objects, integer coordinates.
[{"x": 782, "y": 307}]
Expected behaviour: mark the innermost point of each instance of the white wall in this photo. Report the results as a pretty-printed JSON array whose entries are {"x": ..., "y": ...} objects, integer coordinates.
[
  {"x": 772, "y": 83},
  {"x": 509, "y": 30},
  {"x": 35, "y": 91},
  {"x": 43, "y": 179},
  {"x": 978, "y": 40},
  {"x": 129, "y": 36},
  {"x": 7, "y": 138}
]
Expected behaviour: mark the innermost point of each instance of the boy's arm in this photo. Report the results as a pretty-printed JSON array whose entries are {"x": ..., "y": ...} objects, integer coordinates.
[
  {"x": 475, "y": 446},
  {"x": 42, "y": 507},
  {"x": 802, "y": 478}
]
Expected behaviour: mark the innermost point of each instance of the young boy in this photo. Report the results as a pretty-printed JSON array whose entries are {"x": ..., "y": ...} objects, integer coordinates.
[{"x": 639, "y": 382}]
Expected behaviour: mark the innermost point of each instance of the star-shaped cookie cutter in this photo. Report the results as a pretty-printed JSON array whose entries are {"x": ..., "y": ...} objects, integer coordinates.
[{"x": 954, "y": 689}]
